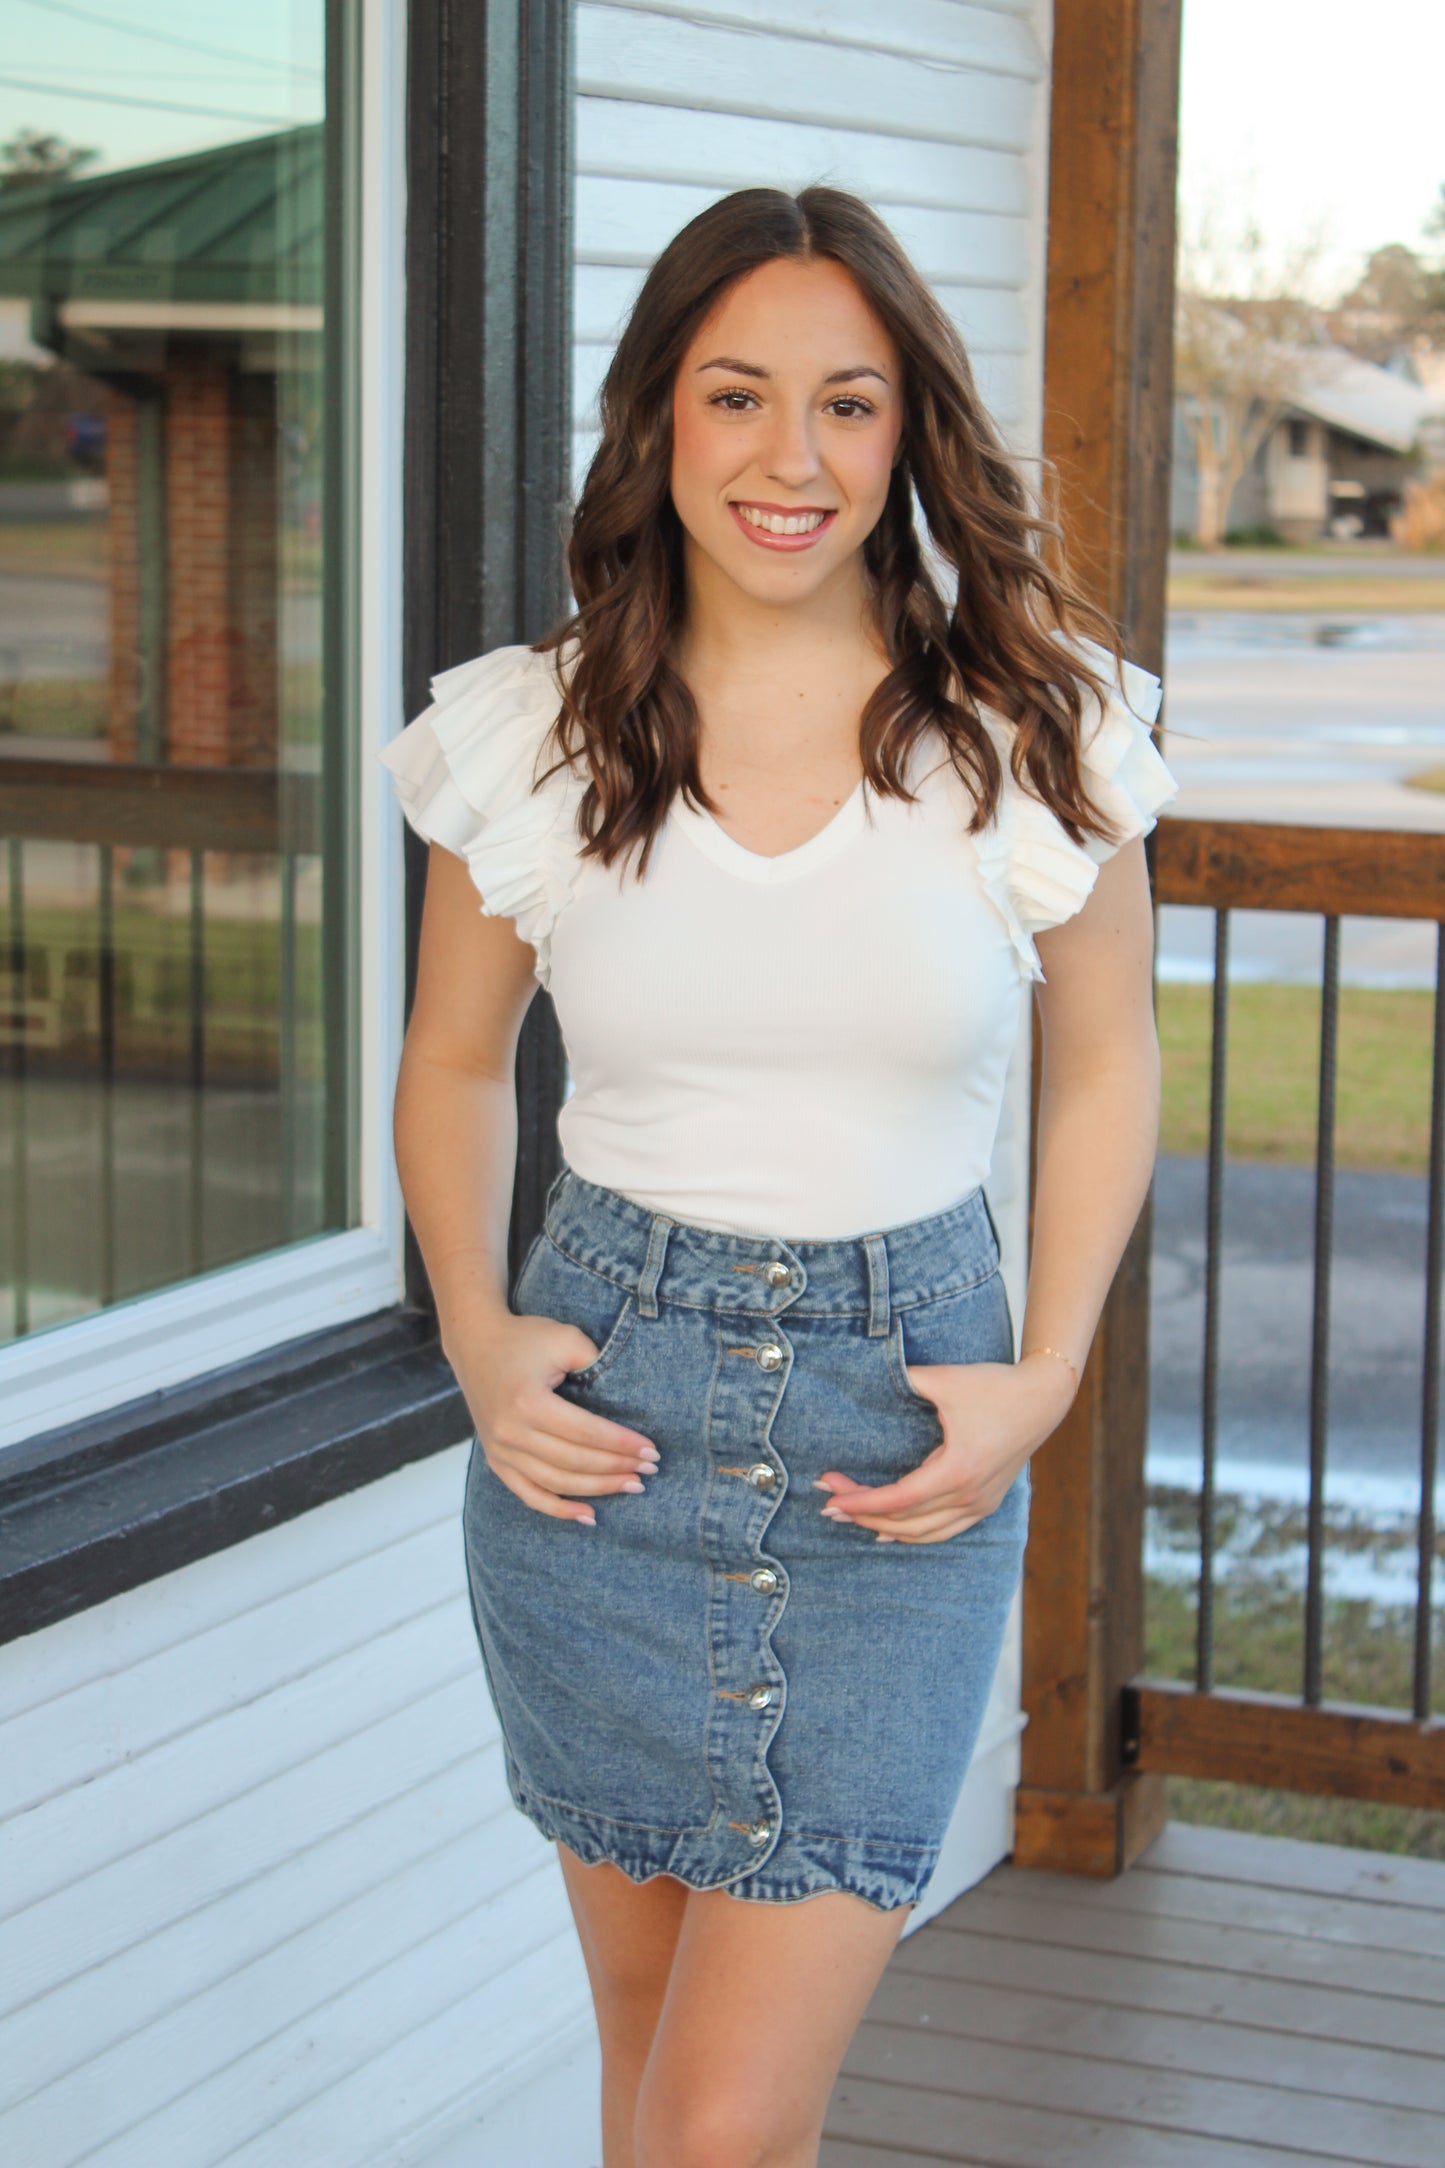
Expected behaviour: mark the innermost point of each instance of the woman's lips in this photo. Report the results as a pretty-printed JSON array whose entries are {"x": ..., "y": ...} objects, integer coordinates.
[{"x": 767, "y": 541}]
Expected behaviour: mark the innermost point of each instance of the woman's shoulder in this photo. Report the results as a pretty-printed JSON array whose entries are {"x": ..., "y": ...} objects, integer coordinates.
[
  {"x": 470, "y": 773},
  {"x": 1033, "y": 871}
]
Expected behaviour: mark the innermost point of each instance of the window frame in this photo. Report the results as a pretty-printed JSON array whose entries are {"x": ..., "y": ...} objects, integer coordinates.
[
  {"x": 465, "y": 268},
  {"x": 71, "y": 1372}
]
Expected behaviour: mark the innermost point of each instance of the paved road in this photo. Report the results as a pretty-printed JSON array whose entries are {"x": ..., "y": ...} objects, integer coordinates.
[
  {"x": 1377, "y": 1339},
  {"x": 1300, "y": 718},
  {"x": 1380, "y": 561}
]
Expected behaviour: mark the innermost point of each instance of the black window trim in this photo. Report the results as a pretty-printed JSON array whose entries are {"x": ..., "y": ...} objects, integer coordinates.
[{"x": 106, "y": 1505}]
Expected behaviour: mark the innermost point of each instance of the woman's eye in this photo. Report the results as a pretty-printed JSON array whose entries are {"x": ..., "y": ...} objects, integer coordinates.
[
  {"x": 727, "y": 399},
  {"x": 854, "y": 406}
]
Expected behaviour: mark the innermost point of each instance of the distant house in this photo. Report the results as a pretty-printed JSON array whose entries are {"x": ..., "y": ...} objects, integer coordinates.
[{"x": 1337, "y": 460}]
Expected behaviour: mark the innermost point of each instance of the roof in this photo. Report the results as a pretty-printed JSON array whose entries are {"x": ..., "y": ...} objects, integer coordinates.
[
  {"x": 1336, "y": 386},
  {"x": 227, "y": 230}
]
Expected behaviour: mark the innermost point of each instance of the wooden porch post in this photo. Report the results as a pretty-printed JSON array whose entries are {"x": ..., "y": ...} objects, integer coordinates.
[{"x": 1108, "y": 392}]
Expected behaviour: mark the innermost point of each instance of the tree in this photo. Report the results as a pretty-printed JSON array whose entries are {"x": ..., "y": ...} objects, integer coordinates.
[
  {"x": 33, "y": 160},
  {"x": 1241, "y": 327},
  {"x": 1398, "y": 302}
]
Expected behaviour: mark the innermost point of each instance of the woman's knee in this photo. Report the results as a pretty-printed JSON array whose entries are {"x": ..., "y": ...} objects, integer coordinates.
[{"x": 727, "y": 2125}]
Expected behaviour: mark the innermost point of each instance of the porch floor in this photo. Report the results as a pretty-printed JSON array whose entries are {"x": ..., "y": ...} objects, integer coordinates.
[{"x": 1232, "y": 2001}]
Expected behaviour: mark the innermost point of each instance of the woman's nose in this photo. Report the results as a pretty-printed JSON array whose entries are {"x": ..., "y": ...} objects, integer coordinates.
[{"x": 792, "y": 455}]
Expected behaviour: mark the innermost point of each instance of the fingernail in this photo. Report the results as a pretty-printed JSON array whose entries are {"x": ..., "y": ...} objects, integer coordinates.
[
  {"x": 834, "y": 1513},
  {"x": 819, "y": 1484},
  {"x": 886, "y": 1539},
  {"x": 586, "y": 1520},
  {"x": 632, "y": 1483},
  {"x": 648, "y": 1460}
]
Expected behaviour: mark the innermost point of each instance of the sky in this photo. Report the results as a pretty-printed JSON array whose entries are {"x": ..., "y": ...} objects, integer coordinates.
[
  {"x": 145, "y": 79},
  {"x": 1324, "y": 116}
]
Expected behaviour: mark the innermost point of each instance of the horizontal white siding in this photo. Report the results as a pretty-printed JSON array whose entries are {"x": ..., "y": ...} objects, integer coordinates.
[
  {"x": 264, "y": 1895},
  {"x": 935, "y": 113}
]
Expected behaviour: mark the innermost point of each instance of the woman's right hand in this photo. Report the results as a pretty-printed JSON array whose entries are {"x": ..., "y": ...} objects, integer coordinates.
[{"x": 544, "y": 1449}]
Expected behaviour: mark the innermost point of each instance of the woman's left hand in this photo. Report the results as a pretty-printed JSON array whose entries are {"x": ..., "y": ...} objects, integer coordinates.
[{"x": 994, "y": 1415}]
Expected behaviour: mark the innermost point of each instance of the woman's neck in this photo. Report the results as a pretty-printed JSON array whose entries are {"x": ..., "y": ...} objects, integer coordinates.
[{"x": 729, "y": 637}]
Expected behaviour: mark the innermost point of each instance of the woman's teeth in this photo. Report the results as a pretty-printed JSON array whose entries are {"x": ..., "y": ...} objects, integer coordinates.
[{"x": 780, "y": 522}]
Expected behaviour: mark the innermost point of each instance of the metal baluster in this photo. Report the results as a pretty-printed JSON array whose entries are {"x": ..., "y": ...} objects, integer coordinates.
[
  {"x": 15, "y": 853},
  {"x": 105, "y": 990},
  {"x": 1213, "y": 1221},
  {"x": 1430, "y": 1386},
  {"x": 198, "y": 1058},
  {"x": 286, "y": 1050},
  {"x": 1320, "y": 1334}
]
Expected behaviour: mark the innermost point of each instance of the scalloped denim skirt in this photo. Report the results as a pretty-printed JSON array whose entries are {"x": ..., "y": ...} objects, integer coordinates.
[{"x": 714, "y": 1682}]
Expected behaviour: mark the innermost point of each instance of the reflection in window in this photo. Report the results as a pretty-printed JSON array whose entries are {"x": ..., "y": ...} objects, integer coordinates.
[{"x": 169, "y": 1029}]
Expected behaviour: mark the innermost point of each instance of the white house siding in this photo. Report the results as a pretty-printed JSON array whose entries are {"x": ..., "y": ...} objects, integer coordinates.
[{"x": 263, "y": 1897}]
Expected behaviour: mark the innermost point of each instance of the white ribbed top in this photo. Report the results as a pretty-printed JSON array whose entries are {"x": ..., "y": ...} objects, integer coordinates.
[{"x": 806, "y": 1046}]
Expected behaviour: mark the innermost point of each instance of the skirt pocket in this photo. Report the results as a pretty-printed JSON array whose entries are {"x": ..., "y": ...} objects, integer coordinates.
[
  {"x": 552, "y": 1284},
  {"x": 973, "y": 1325}
]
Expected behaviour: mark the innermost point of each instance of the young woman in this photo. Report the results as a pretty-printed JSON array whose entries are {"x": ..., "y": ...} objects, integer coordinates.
[{"x": 788, "y": 821}]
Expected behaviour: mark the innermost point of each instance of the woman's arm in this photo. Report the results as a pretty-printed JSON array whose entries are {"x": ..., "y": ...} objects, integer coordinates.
[
  {"x": 455, "y": 1132},
  {"x": 1098, "y": 1134},
  {"x": 1098, "y": 1104}
]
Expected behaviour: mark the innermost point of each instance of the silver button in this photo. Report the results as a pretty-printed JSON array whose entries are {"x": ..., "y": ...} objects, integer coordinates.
[
  {"x": 764, "y": 1580},
  {"x": 779, "y": 1274},
  {"x": 760, "y": 1697},
  {"x": 770, "y": 1355},
  {"x": 761, "y": 1476},
  {"x": 760, "y": 1833}
]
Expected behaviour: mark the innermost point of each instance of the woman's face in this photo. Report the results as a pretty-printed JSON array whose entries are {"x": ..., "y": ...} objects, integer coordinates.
[{"x": 787, "y": 420}]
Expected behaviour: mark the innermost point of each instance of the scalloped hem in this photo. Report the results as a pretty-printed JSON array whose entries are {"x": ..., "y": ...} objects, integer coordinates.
[{"x": 801, "y": 1864}]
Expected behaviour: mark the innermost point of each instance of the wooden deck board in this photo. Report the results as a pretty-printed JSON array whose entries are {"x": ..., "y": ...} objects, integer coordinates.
[{"x": 1203, "y": 2011}]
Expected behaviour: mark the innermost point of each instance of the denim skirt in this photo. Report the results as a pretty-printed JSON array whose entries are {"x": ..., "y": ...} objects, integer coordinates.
[{"x": 715, "y": 1682}]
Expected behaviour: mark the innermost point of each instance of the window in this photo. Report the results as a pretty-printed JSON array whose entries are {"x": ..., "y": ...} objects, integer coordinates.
[
  {"x": 1299, "y": 438},
  {"x": 190, "y": 1156}
]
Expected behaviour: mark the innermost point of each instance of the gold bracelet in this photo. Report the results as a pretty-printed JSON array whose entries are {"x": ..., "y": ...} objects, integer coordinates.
[{"x": 1052, "y": 1351}]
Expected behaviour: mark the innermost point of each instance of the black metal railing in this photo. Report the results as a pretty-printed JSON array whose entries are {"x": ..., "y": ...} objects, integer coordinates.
[{"x": 1309, "y": 1743}]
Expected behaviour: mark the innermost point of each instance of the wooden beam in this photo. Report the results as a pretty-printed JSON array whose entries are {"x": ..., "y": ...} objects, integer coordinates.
[
  {"x": 1239, "y": 1737},
  {"x": 1108, "y": 391},
  {"x": 1277, "y": 866}
]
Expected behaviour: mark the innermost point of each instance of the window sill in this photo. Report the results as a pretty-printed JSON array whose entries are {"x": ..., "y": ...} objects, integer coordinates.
[{"x": 106, "y": 1505}]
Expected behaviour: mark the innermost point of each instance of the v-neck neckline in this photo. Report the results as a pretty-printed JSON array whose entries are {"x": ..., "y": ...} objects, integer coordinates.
[{"x": 734, "y": 857}]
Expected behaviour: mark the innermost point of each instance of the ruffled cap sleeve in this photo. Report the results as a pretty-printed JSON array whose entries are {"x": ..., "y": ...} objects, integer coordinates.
[
  {"x": 1033, "y": 872},
  {"x": 463, "y": 773}
]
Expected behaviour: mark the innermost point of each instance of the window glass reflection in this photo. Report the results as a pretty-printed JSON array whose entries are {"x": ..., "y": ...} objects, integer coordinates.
[{"x": 166, "y": 1046}]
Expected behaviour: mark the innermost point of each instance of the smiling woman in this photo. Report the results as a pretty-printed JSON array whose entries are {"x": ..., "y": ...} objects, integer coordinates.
[{"x": 804, "y": 816}]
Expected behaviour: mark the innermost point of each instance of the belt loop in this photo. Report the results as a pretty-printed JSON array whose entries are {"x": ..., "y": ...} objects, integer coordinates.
[
  {"x": 652, "y": 1268},
  {"x": 875, "y": 1249}
]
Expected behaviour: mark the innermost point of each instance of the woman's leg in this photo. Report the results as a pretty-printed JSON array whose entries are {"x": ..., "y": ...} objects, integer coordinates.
[
  {"x": 628, "y": 1931},
  {"x": 761, "y": 2004}
]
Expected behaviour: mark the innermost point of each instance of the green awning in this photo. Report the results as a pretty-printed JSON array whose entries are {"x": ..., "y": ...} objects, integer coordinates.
[{"x": 228, "y": 235}]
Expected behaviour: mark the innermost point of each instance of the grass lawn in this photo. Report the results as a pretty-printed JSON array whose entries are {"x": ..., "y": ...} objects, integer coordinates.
[
  {"x": 1372, "y": 594},
  {"x": 1382, "y": 1086},
  {"x": 242, "y": 991},
  {"x": 79, "y": 707},
  {"x": 76, "y": 548},
  {"x": 1258, "y": 1643},
  {"x": 71, "y": 547}
]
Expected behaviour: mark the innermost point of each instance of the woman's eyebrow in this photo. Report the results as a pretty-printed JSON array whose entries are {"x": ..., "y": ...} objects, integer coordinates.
[{"x": 750, "y": 368}]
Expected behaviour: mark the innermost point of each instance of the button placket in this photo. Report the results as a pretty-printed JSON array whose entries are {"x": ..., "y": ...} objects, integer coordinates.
[{"x": 749, "y": 1688}]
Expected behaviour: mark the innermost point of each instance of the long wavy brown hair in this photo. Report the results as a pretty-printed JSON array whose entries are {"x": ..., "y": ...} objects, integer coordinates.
[{"x": 1005, "y": 640}]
